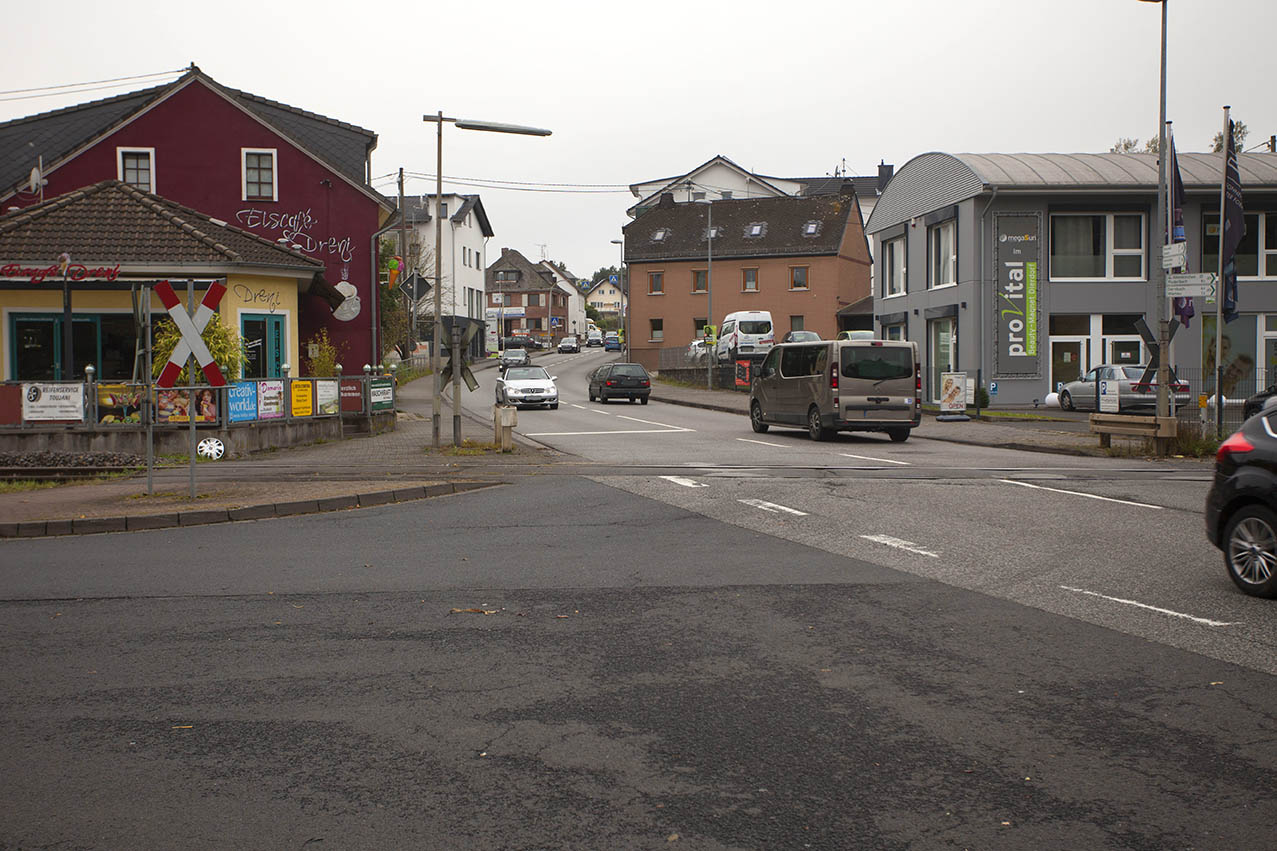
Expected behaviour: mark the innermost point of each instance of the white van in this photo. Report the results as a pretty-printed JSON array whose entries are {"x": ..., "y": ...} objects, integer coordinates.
[
  {"x": 744, "y": 334},
  {"x": 839, "y": 385}
]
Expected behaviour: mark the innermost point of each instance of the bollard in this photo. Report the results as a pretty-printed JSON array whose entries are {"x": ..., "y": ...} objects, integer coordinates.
[{"x": 504, "y": 419}]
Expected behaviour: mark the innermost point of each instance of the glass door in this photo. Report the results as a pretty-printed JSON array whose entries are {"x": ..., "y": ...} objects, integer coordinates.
[
  {"x": 1069, "y": 359},
  {"x": 942, "y": 353},
  {"x": 264, "y": 342}
]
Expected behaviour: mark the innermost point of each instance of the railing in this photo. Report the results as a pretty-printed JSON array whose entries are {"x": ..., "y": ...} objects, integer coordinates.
[
  {"x": 1202, "y": 402},
  {"x": 122, "y": 405}
]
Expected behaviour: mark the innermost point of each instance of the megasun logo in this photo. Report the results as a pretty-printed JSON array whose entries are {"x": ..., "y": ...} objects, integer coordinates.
[{"x": 1028, "y": 237}]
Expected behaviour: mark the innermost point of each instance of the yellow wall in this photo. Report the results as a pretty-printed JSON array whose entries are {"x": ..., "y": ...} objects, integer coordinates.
[{"x": 244, "y": 294}]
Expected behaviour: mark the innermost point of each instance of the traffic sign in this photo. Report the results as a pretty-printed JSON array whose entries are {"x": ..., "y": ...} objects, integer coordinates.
[
  {"x": 1191, "y": 284},
  {"x": 1175, "y": 255},
  {"x": 614, "y": 279},
  {"x": 191, "y": 326}
]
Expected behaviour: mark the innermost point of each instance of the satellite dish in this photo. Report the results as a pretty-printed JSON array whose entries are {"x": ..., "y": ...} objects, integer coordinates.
[{"x": 36, "y": 181}]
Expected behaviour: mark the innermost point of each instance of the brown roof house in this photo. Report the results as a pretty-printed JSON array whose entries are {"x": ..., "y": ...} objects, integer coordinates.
[
  {"x": 114, "y": 238},
  {"x": 523, "y": 298},
  {"x": 802, "y": 259}
]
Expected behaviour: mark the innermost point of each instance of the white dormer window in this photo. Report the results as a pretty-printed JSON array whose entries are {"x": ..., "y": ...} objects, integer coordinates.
[
  {"x": 812, "y": 228},
  {"x": 755, "y": 229},
  {"x": 660, "y": 234},
  {"x": 136, "y": 167},
  {"x": 712, "y": 233},
  {"x": 260, "y": 177}
]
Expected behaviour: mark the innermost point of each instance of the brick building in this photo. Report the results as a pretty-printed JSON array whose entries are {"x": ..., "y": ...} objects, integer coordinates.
[{"x": 523, "y": 298}]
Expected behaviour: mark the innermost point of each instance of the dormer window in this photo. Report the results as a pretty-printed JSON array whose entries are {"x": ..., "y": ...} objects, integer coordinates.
[
  {"x": 712, "y": 233},
  {"x": 660, "y": 234},
  {"x": 812, "y": 228},
  {"x": 755, "y": 230}
]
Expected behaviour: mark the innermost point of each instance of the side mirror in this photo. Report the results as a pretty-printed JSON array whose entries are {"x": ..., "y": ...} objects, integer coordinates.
[{"x": 554, "y": 378}]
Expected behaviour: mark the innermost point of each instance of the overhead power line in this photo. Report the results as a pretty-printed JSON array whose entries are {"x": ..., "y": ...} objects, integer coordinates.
[{"x": 78, "y": 88}]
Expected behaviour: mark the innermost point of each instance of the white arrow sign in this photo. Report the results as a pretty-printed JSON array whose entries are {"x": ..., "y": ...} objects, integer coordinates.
[{"x": 1190, "y": 284}]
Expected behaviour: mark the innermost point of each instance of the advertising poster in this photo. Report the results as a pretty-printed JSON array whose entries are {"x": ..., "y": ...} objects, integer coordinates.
[
  {"x": 172, "y": 406},
  {"x": 53, "y": 402},
  {"x": 242, "y": 401},
  {"x": 352, "y": 395},
  {"x": 953, "y": 392},
  {"x": 1237, "y": 347},
  {"x": 270, "y": 399},
  {"x": 1017, "y": 255},
  {"x": 119, "y": 403},
  {"x": 382, "y": 393},
  {"x": 326, "y": 401},
  {"x": 743, "y": 373},
  {"x": 302, "y": 399}
]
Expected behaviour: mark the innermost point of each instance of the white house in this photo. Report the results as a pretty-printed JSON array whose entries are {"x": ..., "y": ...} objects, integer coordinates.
[{"x": 607, "y": 298}]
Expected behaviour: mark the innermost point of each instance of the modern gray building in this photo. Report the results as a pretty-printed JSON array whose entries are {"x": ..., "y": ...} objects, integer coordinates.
[{"x": 1033, "y": 268}]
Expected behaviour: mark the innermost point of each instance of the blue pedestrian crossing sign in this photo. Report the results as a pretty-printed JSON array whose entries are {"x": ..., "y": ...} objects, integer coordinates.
[{"x": 614, "y": 279}]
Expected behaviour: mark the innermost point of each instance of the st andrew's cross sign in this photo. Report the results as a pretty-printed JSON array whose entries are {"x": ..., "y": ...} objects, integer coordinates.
[{"x": 191, "y": 327}]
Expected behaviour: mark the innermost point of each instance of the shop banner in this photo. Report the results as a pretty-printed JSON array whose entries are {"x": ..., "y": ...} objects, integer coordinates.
[
  {"x": 953, "y": 392},
  {"x": 242, "y": 401},
  {"x": 1017, "y": 255},
  {"x": 119, "y": 403},
  {"x": 173, "y": 406},
  {"x": 382, "y": 393},
  {"x": 302, "y": 395},
  {"x": 326, "y": 401},
  {"x": 744, "y": 371},
  {"x": 270, "y": 399},
  {"x": 352, "y": 395},
  {"x": 53, "y": 402}
]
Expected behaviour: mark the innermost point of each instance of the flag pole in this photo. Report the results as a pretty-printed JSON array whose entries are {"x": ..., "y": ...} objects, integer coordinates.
[{"x": 1219, "y": 292}]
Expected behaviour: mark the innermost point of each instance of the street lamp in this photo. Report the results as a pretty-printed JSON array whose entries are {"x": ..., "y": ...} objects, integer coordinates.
[
  {"x": 709, "y": 287},
  {"x": 625, "y": 297},
  {"x": 1157, "y": 274},
  {"x": 463, "y": 124}
]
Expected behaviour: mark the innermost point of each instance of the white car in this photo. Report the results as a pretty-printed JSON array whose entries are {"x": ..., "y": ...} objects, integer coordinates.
[{"x": 527, "y": 385}]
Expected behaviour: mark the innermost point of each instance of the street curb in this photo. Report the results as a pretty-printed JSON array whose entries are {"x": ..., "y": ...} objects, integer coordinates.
[
  {"x": 171, "y": 520},
  {"x": 725, "y": 409}
]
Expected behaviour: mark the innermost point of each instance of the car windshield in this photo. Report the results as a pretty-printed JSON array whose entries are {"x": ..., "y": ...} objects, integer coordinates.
[
  {"x": 526, "y": 373},
  {"x": 1134, "y": 373},
  {"x": 630, "y": 370},
  {"x": 803, "y": 336},
  {"x": 754, "y": 326},
  {"x": 877, "y": 363}
]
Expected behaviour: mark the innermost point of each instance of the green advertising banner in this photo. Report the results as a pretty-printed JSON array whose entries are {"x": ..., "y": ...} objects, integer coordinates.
[{"x": 382, "y": 391}]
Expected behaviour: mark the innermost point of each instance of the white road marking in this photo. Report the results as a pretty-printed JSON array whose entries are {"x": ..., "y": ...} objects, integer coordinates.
[
  {"x": 868, "y": 458},
  {"x": 685, "y": 482},
  {"x": 649, "y": 422},
  {"x": 617, "y": 431},
  {"x": 597, "y": 411},
  {"x": 1206, "y": 621},
  {"x": 582, "y": 407},
  {"x": 909, "y": 546},
  {"x": 772, "y": 507},
  {"x": 762, "y": 442},
  {"x": 1079, "y": 493}
]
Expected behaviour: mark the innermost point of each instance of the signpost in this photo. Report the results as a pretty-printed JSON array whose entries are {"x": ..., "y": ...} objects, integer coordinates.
[
  {"x": 1188, "y": 284},
  {"x": 191, "y": 326},
  {"x": 1175, "y": 256}
]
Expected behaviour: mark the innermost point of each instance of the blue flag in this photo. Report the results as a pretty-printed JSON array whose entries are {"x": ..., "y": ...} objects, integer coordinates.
[
  {"x": 1182, "y": 307},
  {"x": 1232, "y": 227}
]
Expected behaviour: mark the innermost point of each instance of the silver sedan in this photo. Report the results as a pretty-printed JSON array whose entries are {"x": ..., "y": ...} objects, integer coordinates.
[
  {"x": 1133, "y": 394},
  {"x": 527, "y": 385}
]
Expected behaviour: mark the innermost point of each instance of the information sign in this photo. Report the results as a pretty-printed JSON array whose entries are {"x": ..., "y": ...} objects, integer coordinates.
[
  {"x": 45, "y": 402},
  {"x": 302, "y": 398},
  {"x": 382, "y": 393},
  {"x": 1109, "y": 398},
  {"x": 1175, "y": 255},
  {"x": 953, "y": 392},
  {"x": 1191, "y": 284},
  {"x": 326, "y": 400},
  {"x": 270, "y": 399},
  {"x": 242, "y": 399}
]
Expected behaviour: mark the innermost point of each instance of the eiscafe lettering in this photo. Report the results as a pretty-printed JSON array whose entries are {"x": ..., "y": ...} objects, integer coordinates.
[
  {"x": 74, "y": 272},
  {"x": 1017, "y": 301}
]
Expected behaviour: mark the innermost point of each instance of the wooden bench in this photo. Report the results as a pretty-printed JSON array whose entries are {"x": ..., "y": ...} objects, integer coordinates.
[{"x": 1107, "y": 425}]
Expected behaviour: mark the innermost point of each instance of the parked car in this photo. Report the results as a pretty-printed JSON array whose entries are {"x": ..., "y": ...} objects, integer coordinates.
[
  {"x": 569, "y": 344},
  {"x": 855, "y": 335},
  {"x": 527, "y": 385},
  {"x": 839, "y": 385},
  {"x": 801, "y": 337},
  {"x": 514, "y": 357},
  {"x": 1133, "y": 395},
  {"x": 1255, "y": 404},
  {"x": 593, "y": 338},
  {"x": 522, "y": 341},
  {"x": 620, "y": 381},
  {"x": 697, "y": 352},
  {"x": 611, "y": 343},
  {"x": 1241, "y": 507},
  {"x": 744, "y": 334}
]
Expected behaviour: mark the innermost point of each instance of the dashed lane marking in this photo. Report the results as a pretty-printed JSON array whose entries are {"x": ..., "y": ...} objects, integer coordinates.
[
  {"x": 650, "y": 422},
  {"x": 1205, "y": 621},
  {"x": 908, "y": 546},
  {"x": 773, "y": 507},
  {"x": 761, "y": 442},
  {"x": 1079, "y": 493},
  {"x": 869, "y": 458}
]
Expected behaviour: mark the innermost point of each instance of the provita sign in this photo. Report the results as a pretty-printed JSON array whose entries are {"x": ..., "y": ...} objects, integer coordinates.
[
  {"x": 1017, "y": 258},
  {"x": 74, "y": 272}
]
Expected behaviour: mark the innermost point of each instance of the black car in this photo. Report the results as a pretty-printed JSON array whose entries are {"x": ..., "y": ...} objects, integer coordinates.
[
  {"x": 522, "y": 341},
  {"x": 1255, "y": 404},
  {"x": 1241, "y": 508},
  {"x": 620, "y": 381}
]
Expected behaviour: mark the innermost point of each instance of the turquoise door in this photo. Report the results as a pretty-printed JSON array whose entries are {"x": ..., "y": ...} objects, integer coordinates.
[{"x": 263, "y": 336}]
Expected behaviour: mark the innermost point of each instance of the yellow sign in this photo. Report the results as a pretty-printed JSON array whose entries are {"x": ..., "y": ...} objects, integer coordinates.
[
  {"x": 1201, "y": 401},
  {"x": 303, "y": 398}
]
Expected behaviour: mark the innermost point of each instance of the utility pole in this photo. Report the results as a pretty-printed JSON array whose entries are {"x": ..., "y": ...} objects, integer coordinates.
[{"x": 436, "y": 416}]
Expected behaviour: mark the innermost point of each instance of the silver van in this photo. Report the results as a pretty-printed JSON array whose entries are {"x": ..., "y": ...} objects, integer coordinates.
[{"x": 839, "y": 385}]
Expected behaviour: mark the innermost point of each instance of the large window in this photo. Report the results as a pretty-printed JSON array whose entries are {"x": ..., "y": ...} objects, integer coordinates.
[
  {"x": 1257, "y": 252},
  {"x": 700, "y": 281},
  {"x": 1106, "y": 246},
  {"x": 136, "y": 167},
  {"x": 259, "y": 174},
  {"x": 106, "y": 340},
  {"x": 893, "y": 267},
  {"x": 942, "y": 252},
  {"x": 656, "y": 283}
]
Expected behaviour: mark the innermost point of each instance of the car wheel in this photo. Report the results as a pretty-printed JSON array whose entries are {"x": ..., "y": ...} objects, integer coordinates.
[
  {"x": 898, "y": 435},
  {"x": 591, "y": 395},
  {"x": 633, "y": 399},
  {"x": 1250, "y": 550},
  {"x": 814, "y": 427},
  {"x": 756, "y": 418},
  {"x": 643, "y": 400},
  {"x": 554, "y": 406},
  {"x": 1066, "y": 401},
  {"x": 602, "y": 397}
]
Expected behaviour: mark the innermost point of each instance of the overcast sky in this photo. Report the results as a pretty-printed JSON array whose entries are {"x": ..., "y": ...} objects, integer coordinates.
[{"x": 635, "y": 91}]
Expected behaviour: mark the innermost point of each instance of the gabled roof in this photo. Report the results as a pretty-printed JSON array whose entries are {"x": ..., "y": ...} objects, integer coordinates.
[
  {"x": 746, "y": 227},
  {"x": 421, "y": 208},
  {"x": 600, "y": 282},
  {"x": 532, "y": 278},
  {"x": 718, "y": 159},
  {"x": 112, "y": 222},
  {"x": 59, "y": 134}
]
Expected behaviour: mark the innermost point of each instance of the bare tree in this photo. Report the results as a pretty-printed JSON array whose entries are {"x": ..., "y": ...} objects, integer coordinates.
[
  {"x": 1239, "y": 137},
  {"x": 1132, "y": 146}
]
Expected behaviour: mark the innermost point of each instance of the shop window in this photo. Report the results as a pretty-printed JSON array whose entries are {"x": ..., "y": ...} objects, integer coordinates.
[
  {"x": 1070, "y": 324},
  {"x": 260, "y": 176},
  {"x": 1106, "y": 246},
  {"x": 265, "y": 342}
]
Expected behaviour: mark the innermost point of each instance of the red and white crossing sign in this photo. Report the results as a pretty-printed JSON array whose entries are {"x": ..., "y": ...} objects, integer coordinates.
[{"x": 191, "y": 327}]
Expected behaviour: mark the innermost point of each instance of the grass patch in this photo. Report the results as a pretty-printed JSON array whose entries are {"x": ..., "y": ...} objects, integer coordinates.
[
  {"x": 469, "y": 447},
  {"x": 25, "y": 485}
]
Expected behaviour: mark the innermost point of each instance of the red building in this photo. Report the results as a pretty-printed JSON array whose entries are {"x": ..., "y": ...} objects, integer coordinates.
[{"x": 280, "y": 172}]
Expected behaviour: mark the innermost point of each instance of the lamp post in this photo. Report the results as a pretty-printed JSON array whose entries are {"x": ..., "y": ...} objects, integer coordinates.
[
  {"x": 463, "y": 124},
  {"x": 709, "y": 287},
  {"x": 1157, "y": 274},
  {"x": 625, "y": 297}
]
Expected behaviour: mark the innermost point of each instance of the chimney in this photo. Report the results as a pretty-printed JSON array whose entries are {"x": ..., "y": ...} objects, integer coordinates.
[
  {"x": 884, "y": 175},
  {"x": 847, "y": 187},
  {"x": 666, "y": 202}
]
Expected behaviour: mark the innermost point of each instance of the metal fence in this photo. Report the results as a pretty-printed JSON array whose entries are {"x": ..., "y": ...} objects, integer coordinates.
[
  {"x": 681, "y": 357},
  {"x": 1237, "y": 387}
]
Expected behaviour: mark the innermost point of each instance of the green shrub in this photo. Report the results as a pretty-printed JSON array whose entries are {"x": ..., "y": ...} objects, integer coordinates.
[{"x": 223, "y": 344}]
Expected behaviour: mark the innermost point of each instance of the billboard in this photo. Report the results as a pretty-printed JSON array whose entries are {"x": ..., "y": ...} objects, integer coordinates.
[{"x": 1017, "y": 256}]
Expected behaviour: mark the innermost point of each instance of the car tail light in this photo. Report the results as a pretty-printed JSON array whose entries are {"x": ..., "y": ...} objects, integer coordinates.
[
  {"x": 1235, "y": 444},
  {"x": 917, "y": 386},
  {"x": 610, "y": 382},
  {"x": 1139, "y": 387},
  {"x": 645, "y": 383},
  {"x": 833, "y": 376},
  {"x": 1180, "y": 387}
]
